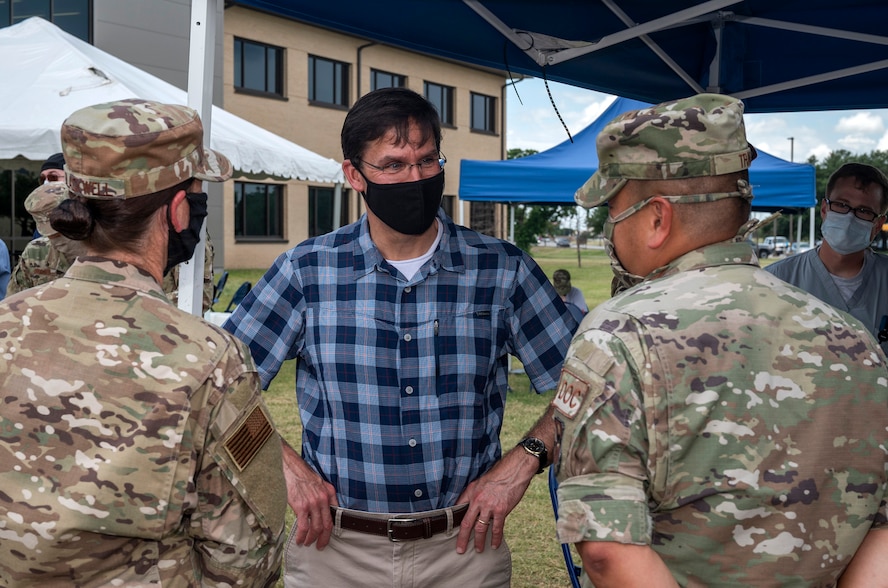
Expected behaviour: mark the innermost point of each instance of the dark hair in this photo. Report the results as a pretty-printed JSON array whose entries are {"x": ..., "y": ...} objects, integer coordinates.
[
  {"x": 864, "y": 175},
  {"x": 384, "y": 110},
  {"x": 113, "y": 224}
]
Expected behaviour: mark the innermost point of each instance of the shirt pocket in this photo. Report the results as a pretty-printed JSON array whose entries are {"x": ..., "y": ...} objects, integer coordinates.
[{"x": 467, "y": 347}]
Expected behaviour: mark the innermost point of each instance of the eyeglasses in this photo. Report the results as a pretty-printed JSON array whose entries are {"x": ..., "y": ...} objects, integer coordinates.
[
  {"x": 399, "y": 168},
  {"x": 862, "y": 213}
]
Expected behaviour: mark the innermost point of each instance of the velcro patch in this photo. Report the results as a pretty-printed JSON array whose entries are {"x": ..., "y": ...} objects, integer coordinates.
[
  {"x": 570, "y": 394},
  {"x": 249, "y": 437}
]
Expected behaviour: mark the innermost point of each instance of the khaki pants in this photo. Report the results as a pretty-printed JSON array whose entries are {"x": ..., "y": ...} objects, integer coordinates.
[{"x": 359, "y": 559}]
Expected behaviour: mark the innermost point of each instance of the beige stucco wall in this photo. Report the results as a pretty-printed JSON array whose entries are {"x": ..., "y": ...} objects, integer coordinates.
[{"x": 317, "y": 127}]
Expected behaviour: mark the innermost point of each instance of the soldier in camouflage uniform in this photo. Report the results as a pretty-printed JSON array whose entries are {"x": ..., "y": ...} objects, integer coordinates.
[
  {"x": 719, "y": 427},
  {"x": 135, "y": 448},
  {"x": 49, "y": 256}
]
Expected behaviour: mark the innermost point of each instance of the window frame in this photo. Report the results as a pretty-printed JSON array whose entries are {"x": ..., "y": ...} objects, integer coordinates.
[
  {"x": 313, "y": 212},
  {"x": 10, "y": 18},
  {"x": 402, "y": 79},
  {"x": 241, "y": 212},
  {"x": 341, "y": 74},
  {"x": 489, "y": 114},
  {"x": 446, "y": 96},
  {"x": 277, "y": 91}
]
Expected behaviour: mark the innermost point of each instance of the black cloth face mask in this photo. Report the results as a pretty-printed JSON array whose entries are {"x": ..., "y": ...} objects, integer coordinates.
[
  {"x": 409, "y": 207},
  {"x": 181, "y": 245}
]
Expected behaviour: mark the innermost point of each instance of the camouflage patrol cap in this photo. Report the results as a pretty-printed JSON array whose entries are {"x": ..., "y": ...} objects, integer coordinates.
[
  {"x": 135, "y": 147},
  {"x": 698, "y": 136},
  {"x": 42, "y": 201}
]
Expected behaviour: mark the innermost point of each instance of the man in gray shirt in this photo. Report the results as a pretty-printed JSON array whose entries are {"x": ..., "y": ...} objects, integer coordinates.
[{"x": 844, "y": 271}]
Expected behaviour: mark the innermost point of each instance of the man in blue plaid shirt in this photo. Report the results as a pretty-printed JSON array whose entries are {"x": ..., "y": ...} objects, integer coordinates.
[{"x": 402, "y": 324}]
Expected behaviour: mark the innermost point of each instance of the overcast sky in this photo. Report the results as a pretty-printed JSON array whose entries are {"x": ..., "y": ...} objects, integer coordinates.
[{"x": 533, "y": 123}]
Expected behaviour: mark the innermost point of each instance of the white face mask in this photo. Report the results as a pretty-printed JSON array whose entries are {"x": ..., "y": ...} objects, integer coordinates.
[{"x": 846, "y": 233}]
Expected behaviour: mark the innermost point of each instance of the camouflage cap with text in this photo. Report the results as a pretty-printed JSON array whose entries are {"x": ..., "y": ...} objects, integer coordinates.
[
  {"x": 42, "y": 201},
  {"x": 135, "y": 147},
  {"x": 703, "y": 135}
]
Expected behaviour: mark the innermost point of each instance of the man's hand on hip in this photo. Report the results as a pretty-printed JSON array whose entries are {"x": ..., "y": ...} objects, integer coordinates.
[
  {"x": 310, "y": 497},
  {"x": 492, "y": 497}
]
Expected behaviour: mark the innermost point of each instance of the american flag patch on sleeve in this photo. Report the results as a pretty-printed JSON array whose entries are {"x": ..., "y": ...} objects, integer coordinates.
[{"x": 249, "y": 437}]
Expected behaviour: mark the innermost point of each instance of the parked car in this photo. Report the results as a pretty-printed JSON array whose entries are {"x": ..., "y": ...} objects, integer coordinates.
[
  {"x": 772, "y": 246},
  {"x": 562, "y": 242},
  {"x": 800, "y": 247}
]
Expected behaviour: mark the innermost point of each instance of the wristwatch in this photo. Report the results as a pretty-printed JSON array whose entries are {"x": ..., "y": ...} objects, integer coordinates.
[{"x": 536, "y": 448}]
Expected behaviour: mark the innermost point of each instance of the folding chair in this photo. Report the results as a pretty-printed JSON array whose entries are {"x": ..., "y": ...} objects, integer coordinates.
[
  {"x": 239, "y": 296},
  {"x": 573, "y": 570},
  {"x": 219, "y": 287}
]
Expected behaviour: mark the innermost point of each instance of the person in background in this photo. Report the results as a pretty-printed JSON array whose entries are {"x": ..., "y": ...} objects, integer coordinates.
[
  {"x": 706, "y": 411},
  {"x": 844, "y": 271},
  {"x": 4, "y": 268},
  {"x": 53, "y": 169},
  {"x": 49, "y": 256},
  {"x": 570, "y": 294},
  {"x": 135, "y": 447},
  {"x": 402, "y": 324}
]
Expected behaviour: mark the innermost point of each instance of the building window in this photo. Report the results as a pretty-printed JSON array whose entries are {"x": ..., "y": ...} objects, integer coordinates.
[
  {"x": 72, "y": 16},
  {"x": 327, "y": 81},
  {"x": 484, "y": 217},
  {"x": 320, "y": 210},
  {"x": 447, "y": 204},
  {"x": 258, "y": 211},
  {"x": 383, "y": 79},
  {"x": 258, "y": 67},
  {"x": 442, "y": 98},
  {"x": 483, "y": 113}
]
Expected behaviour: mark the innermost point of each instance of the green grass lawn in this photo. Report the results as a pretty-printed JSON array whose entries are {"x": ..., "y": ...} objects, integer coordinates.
[{"x": 530, "y": 530}]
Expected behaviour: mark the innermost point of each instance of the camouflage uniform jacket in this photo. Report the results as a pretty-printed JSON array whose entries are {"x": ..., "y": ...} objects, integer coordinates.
[
  {"x": 135, "y": 449},
  {"x": 727, "y": 419},
  {"x": 39, "y": 263}
]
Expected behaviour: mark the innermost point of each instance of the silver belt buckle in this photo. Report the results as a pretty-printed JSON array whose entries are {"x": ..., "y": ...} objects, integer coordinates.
[{"x": 389, "y": 529}]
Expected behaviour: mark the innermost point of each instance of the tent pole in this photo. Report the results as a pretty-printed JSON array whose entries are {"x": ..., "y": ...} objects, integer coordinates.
[
  {"x": 337, "y": 205},
  {"x": 200, "y": 98},
  {"x": 811, "y": 239}
]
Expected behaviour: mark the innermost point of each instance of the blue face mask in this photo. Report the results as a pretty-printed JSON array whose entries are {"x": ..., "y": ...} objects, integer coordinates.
[{"x": 846, "y": 233}]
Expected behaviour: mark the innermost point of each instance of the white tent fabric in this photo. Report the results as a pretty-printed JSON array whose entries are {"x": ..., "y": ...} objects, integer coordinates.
[{"x": 48, "y": 74}]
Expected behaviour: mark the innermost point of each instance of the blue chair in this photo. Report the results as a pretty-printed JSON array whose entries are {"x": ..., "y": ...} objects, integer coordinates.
[
  {"x": 573, "y": 570},
  {"x": 239, "y": 296},
  {"x": 219, "y": 287}
]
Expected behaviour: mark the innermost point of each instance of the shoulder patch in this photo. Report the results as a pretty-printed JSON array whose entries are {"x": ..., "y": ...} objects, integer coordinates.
[
  {"x": 570, "y": 394},
  {"x": 246, "y": 441}
]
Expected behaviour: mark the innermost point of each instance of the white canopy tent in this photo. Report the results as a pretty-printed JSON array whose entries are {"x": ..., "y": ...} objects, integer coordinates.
[{"x": 48, "y": 74}]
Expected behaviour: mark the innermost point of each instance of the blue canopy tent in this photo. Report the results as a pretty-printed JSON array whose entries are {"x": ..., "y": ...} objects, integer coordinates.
[
  {"x": 775, "y": 55},
  {"x": 553, "y": 176}
]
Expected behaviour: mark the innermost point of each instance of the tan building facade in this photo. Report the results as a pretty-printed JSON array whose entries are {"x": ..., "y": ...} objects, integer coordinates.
[{"x": 298, "y": 81}]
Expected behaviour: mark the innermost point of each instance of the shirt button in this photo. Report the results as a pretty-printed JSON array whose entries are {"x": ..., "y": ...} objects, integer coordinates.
[
  {"x": 417, "y": 493},
  {"x": 409, "y": 389},
  {"x": 408, "y": 337},
  {"x": 412, "y": 443},
  {"x": 408, "y": 289}
]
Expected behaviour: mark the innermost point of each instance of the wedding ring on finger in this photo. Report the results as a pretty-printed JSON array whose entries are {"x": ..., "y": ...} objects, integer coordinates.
[{"x": 485, "y": 523}]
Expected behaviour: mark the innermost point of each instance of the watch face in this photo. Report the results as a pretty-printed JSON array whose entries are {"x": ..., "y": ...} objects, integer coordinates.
[{"x": 534, "y": 445}]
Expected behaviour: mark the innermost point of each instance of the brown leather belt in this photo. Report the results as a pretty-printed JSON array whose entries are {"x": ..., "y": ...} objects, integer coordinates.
[{"x": 402, "y": 528}]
